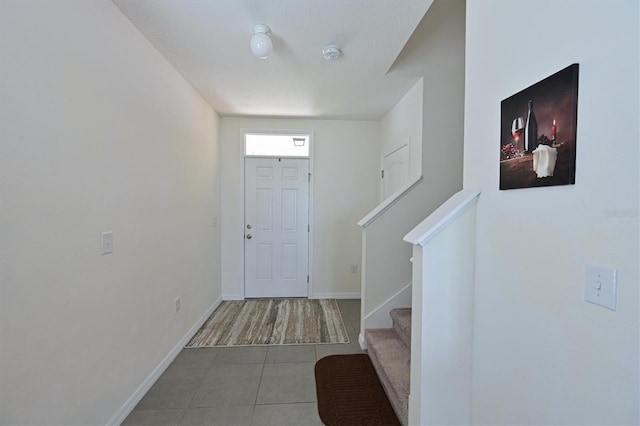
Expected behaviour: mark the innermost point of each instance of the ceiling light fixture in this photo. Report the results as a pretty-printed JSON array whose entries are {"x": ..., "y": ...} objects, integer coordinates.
[
  {"x": 331, "y": 52},
  {"x": 261, "y": 45}
]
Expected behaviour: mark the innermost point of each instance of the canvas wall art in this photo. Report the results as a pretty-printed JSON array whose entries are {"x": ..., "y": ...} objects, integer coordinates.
[{"x": 538, "y": 133}]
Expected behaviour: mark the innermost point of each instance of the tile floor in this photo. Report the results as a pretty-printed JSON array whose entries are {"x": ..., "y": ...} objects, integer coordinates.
[{"x": 257, "y": 385}]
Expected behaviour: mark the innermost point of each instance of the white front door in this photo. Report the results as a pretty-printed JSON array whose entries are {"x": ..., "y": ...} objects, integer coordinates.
[
  {"x": 395, "y": 169},
  {"x": 276, "y": 242}
]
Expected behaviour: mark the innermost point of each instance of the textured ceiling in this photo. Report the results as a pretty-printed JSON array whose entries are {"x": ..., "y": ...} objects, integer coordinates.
[{"x": 207, "y": 41}]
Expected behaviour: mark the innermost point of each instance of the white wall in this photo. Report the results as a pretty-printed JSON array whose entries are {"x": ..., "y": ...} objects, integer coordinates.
[
  {"x": 435, "y": 52},
  {"x": 542, "y": 354},
  {"x": 344, "y": 188},
  {"x": 97, "y": 132},
  {"x": 401, "y": 125},
  {"x": 442, "y": 347}
]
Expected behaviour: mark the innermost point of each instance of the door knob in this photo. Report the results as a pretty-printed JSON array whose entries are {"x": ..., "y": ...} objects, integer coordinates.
[
  {"x": 249, "y": 236},
  {"x": 248, "y": 226}
]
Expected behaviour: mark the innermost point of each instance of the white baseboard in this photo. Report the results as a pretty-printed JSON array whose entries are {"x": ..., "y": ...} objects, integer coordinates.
[
  {"x": 139, "y": 393},
  {"x": 362, "y": 341},
  {"x": 232, "y": 297},
  {"x": 355, "y": 295},
  {"x": 379, "y": 317}
]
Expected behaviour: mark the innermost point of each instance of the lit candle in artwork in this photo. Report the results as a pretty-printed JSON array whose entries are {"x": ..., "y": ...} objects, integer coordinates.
[{"x": 554, "y": 132}]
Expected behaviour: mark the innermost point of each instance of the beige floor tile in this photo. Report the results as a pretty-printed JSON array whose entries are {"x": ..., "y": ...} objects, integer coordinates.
[
  {"x": 164, "y": 397},
  {"x": 291, "y": 353},
  {"x": 195, "y": 357},
  {"x": 287, "y": 383},
  {"x": 241, "y": 355},
  {"x": 229, "y": 385},
  {"x": 153, "y": 417},
  {"x": 214, "y": 416},
  {"x": 302, "y": 414},
  {"x": 222, "y": 385},
  {"x": 338, "y": 349}
]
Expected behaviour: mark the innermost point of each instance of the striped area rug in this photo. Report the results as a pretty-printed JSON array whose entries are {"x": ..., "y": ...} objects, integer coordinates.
[{"x": 272, "y": 322}]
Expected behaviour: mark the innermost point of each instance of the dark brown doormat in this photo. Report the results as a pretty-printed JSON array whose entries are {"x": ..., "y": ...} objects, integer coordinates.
[{"x": 350, "y": 393}]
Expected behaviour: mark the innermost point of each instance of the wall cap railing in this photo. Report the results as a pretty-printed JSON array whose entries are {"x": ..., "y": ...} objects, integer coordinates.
[
  {"x": 386, "y": 204},
  {"x": 438, "y": 220}
]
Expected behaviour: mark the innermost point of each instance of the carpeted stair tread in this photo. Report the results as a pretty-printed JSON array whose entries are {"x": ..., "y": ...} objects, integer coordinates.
[
  {"x": 392, "y": 361},
  {"x": 402, "y": 324}
]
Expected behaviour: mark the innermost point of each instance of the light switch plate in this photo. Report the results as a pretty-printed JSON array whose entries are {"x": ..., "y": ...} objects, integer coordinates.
[
  {"x": 601, "y": 286},
  {"x": 106, "y": 242}
]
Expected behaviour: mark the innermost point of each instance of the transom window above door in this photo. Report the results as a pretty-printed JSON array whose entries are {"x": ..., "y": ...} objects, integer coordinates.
[{"x": 276, "y": 145}]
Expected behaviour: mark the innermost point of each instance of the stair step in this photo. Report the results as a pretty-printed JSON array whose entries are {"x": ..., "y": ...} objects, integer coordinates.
[
  {"x": 391, "y": 358},
  {"x": 402, "y": 324}
]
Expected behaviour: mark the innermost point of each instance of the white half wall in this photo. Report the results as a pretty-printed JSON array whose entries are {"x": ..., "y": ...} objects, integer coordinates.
[
  {"x": 379, "y": 317},
  {"x": 441, "y": 347},
  {"x": 435, "y": 53},
  {"x": 344, "y": 187},
  {"x": 542, "y": 355},
  {"x": 97, "y": 133}
]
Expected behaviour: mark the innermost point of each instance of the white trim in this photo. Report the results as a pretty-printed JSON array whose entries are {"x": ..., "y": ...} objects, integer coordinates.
[
  {"x": 355, "y": 295},
  {"x": 144, "y": 387},
  {"x": 383, "y": 156},
  {"x": 312, "y": 148},
  {"x": 276, "y": 133},
  {"x": 379, "y": 317},
  {"x": 386, "y": 204},
  {"x": 362, "y": 341},
  {"x": 233, "y": 296},
  {"x": 289, "y": 157},
  {"x": 312, "y": 145},
  {"x": 279, "y": 287},
  {"x": 436, "y": 221},
  {"x": 398, "y": 149}
]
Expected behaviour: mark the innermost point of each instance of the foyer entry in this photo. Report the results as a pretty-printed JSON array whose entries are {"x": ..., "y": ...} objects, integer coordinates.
[{"x": 276, "y": 234}]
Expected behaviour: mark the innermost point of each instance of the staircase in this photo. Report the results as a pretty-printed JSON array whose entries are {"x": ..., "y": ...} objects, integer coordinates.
[{"x": 390, "y": 353}]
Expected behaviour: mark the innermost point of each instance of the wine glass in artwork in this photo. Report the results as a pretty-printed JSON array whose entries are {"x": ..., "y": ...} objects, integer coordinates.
[{"x": 517, "y": 129}]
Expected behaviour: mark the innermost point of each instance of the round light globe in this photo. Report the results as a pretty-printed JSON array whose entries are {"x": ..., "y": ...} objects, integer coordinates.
[{"x": 261, "y": 45}]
